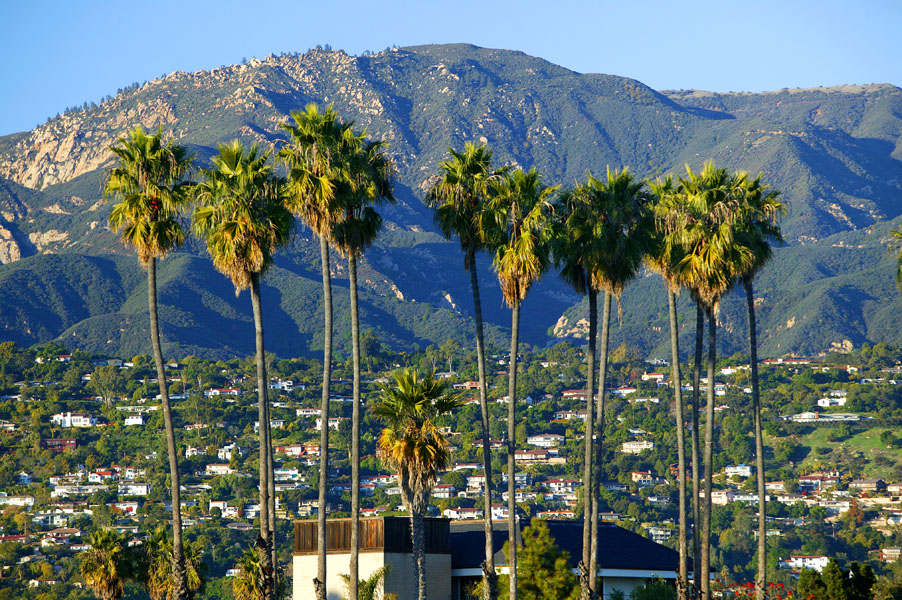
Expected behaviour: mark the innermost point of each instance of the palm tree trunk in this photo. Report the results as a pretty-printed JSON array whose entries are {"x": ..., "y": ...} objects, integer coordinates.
[
  {"x": 709, "y": 458},
  {"x": 761, "y": 579},
  {"x": 319, "y": 583},
  {"x": 179, "y": 585},
  {"x": 587, "y": 582},
  {"x": 417, "y": 532},
  {"x": 599, "y": 430},
  {"x": 355, "y": 430},
  {"x": 675, "y": 378},
  {"x": 265, "y": 549},
  {"x": 512, "y": 536},
  {"x": 696, "y": 454},
  {"x": 271, "y": 486},
  {"x": 489, "y": 578}
]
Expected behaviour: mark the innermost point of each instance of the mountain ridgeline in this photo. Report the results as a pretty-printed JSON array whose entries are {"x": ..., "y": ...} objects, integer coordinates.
[{"x": 835, "y": 153}]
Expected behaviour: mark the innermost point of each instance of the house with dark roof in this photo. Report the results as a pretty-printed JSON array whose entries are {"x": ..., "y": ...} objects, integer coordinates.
[{"x": 455, "y": 551}]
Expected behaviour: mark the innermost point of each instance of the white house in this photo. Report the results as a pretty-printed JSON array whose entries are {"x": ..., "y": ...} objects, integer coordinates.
[
  {"x": 545, "y": 440},
  {"x": 69, "y": 419},
  {"x": 285, "y": 385},
  {"x": 133, "y": 488},
  {"x": 136, "y": 419},
  {"x": 221, "y": 392},
  {"x": 225, "y": 453},
  {"x": 308, "y": 412},
  {"x": 828, "y": 401},
  {"x": 333, "y": 423},
  {"x": 219, "y": 470},
  {"x": 636, "y": 447},
  {"x": 741, "y": 470},
  {"x": 797, "y": 562}
]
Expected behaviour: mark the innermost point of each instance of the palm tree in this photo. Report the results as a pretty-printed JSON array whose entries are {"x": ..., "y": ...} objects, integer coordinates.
[
  {"x": 249, "y": 583},
  {"x": 318, "y": 142},
  {"x": 369, "y": 588},
  {"x": 898, "y": 234},
  {"x": 157, "y": 566},
  {"x": 148, "y": 179},
  {"x": 757, "y": 228},
  {"x": 576, "y": 250},
  {"x": 243, "y": 220},
  {"x": 517, "y": 224},
  {"x": 457, "y": 197},
  {"x": 413, "y": 444},
  {"x": 108, "y": 565},
  {"x": 664, "y": 258},
  {"x": 623, "y": 231},
  {"x": 709, "y": 266},
  {"x": 370, "y": 180}
]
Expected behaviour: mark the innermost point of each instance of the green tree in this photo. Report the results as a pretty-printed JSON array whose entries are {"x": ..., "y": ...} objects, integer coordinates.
[
  {"x": 318, "y": 143},
  {"x": 898, "y": 234},
  {"x": 107, "y": 565},
  {"x": 149, "y": 182},
  {"x": 370, "y": 588},
  {"x": 370, "y": 181},
  {"x": 157, "y": 566},
  {"x": 517, "y": 225},
  {"x": 412, "y": 444},
  {"x": 241, "y": 215},
  {"x": 250, "y": 582},
  {"x": 457, "y": 198},
  {"x": 543, "y": 568}
]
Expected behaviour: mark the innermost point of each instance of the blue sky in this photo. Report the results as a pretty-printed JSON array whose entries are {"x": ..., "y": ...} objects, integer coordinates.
[{"x": 55, "y": 54}]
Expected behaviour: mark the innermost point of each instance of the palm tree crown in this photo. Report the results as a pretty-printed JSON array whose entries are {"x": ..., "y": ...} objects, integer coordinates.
[
  {"x": 108, "y": 564},
  {"x": 241, "y": 214},
  {"x": 148, "y": 181}
]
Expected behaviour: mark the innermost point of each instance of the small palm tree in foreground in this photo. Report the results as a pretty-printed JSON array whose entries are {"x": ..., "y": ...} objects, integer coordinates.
[
  {"x": 249, "y": 583},
  {"x": 149, "y": 182},
  {"x": 243, "y": 220},
  {"x": 108, "y": 565},
  {"x": 371, "y": 587},
  {"x": 157, "y": 566},
  {"x": 412, "y": 444}
]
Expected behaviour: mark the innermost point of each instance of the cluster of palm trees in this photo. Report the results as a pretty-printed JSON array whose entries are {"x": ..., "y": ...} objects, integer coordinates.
[
  {"x": 244, "y": 210},
  {"x": 703, "y": 232}
]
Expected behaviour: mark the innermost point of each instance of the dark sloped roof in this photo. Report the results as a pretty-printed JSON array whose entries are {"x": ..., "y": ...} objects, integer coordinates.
[{"x": 617, "y": 547}]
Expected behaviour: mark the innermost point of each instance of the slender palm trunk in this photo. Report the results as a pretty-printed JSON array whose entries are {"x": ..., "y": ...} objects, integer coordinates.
[
  {"x": 319, "y": 583},
  {"x": 179, "y": 585},
  {"x": 264, "y": 548},
  {"x": 512, "y": 527},
  {"x": 355, "y": 430},
  {"x": 599, "y": 430},
  {"x": 682, "y": 582},
  {"x": 696, "y": 454},
  {"x": 271, "y": 486},
  {"x": 418, "y": 535},
  {"x": 489, "y": 578},
  {"x": 587, "y": 582},
  {"x": 761, "y": 579},
  {"x": 709, "y": 458}
]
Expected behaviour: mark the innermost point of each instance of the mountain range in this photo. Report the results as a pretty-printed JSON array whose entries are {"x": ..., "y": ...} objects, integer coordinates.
[{"x": 834, "y": 153}]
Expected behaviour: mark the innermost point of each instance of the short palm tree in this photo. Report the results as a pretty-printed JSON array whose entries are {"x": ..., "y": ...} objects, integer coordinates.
[
  {"x": 370, "y": 588},
  {"x": 249, "y": 583},
  {"x": 108, "y": 564},
  {"x": 315, "y": 156},
  {"x": 664, "y": 257},
  {"x": 412, "y": 444},
  {"x": 242, "y": 217},
  {"x": 370, "y": 181},
  {"x": 157, "y": 566},
  {"x": 457, "y": 197},
  {"x": 149, "y": 182},
  {"x": 517, "y": 225},
  {"x": 756, "y": 227}
]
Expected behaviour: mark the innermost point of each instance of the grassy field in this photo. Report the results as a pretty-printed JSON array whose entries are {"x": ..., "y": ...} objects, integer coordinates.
[{"x": 863, "y": 450}]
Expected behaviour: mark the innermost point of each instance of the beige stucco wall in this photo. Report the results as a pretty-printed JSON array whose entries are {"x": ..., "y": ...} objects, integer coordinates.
[{"x": 401, "y": 580}]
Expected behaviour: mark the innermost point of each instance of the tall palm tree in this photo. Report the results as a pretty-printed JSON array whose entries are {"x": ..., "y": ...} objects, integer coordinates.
[
  {"x": 518, "y": 225},
  {"x": 709, "y": 266},
  {"x": 370, "y": 181},
  {"x": 413, "y": 444},
  {"x": 314, "y": 155},
  {"x": 108, "y": 565},
  {"x": 623, "y": 230},
  {"x": 457, "y": 196},
  {"x": 149, "y": 182},
  {"x": 243, "y": 219},
  {"x": 576, "y": 250},
  {"x": 157, "y": 566},
  {"x": 664, "y": 258},
  {"x": 757, "y": 228}
]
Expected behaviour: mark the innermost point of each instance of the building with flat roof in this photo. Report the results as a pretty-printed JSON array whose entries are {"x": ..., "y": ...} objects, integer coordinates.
[{"x": 455, "y": 552}]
